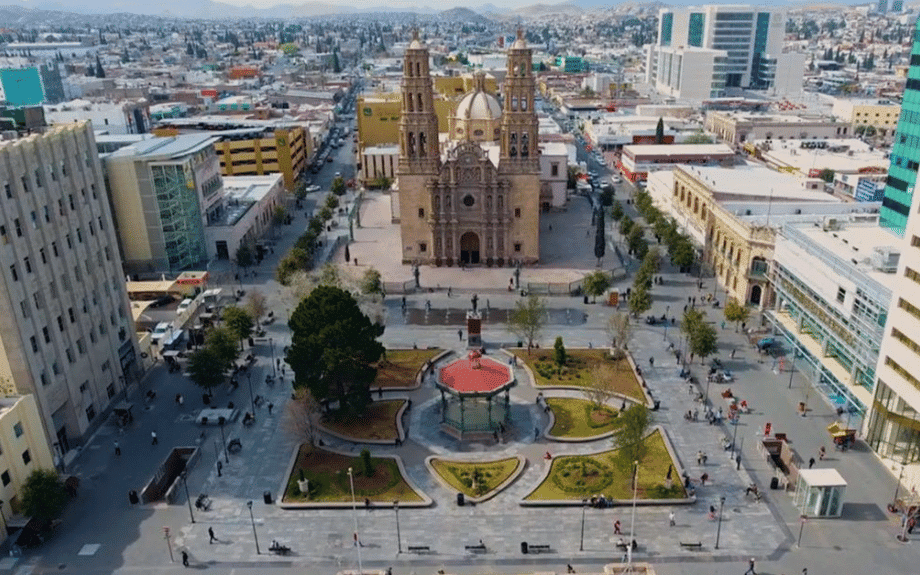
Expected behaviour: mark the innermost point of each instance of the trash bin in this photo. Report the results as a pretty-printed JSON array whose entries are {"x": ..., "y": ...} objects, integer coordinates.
[
  {"x": 524, "y": 549},
  {"x": 267, "y": 497},
  {"x": 251, "y": 342},
  {"x": 774, "y": 483},
  {"x": 586, "y": 299},
  {"x": 133, "y": 498},
  {"x": 461, "y": 500}
]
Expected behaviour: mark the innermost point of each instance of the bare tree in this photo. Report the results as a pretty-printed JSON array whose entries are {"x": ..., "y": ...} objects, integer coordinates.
[
  {"x": 600, "y": 387},
  {"x": 257, "y": 305},
  {"x": 301, "y": 416},
  {"x": 620, "y": 330},
  {"x": 528, "y": 319}
]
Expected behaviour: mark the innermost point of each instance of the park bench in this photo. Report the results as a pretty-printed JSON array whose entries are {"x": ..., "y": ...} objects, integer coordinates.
[
  {"x": 695, "y": 546},
  {"x": 538, "y": 548},
  {"x": 476, "y": 548},
  {"x": 622, "y": 545},
  {"x": 419, "y": 549}
]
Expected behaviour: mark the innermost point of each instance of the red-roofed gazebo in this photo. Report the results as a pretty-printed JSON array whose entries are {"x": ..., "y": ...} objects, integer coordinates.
[{"x": 471, "y": 406}]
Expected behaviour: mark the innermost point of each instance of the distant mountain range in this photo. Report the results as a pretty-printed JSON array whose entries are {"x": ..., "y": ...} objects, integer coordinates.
[{"x": 211, "y": 9}]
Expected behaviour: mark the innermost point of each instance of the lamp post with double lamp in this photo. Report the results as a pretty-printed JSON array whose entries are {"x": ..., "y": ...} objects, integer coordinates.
[
  {"x": 667, "y": 310},
  {"x": 188, "y": 498},
  {"x": 354, "y": 514},
  {"x": 398, "y": 537},
  {"x": 795, "y": 354},
  {"x": 584, "y": 507},
  {"x": 736, "y": 421},
  {"x": 271, "y": 343},
  {"x": 719, "y": 528},
  {"x": 254, "y": 534}
]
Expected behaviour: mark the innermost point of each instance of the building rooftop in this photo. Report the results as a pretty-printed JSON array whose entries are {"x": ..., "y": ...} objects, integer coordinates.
[
  {"x": 856, "y": 244},
  {"x": 165, "y": 148},
  {"x": 843, "y": 155},
  {"x": 753, "y": 181},
  {"x": 678, "y": 150},
  {"x": 768, "y": 118},
  {"x": 243, "y": 192}
]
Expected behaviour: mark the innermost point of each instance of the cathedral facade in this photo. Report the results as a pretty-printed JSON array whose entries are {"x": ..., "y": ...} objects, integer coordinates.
[{"x": 471, "y": 196}]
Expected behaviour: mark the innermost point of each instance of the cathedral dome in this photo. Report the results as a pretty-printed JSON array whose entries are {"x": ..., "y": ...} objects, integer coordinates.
[
  {"x": 479, "y": 105},
  {"x": 519, "y": 43}
]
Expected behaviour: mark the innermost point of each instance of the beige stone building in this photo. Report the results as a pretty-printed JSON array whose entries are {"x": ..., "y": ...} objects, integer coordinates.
[{"x": 471, "y": 196}]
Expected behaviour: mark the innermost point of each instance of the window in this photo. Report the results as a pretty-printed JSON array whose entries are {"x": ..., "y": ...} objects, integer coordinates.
[
  {"x": 8, "y": 189},
  {"x": 43, "y": 255},
  {"x": 44, "y": 378},
  {"x": 421, "y": 212},
  {"x": 517, "y": 247},
  {"x": 90, "y": 413},
  {"x": 3, "y": 234},
  {"x": 26, "y": 263},
  {"x": 84, "y": 386},
  {"x": 38, "y": 178},
  {"x": 25, "y": 184},
  {"x": 5, "y": 478},
  {"x": 912, "y": 274},
  {"x": 55, "y": 368},
  {"x": 54, "y": 249},
  {"x": 46, "y": 334},
  {"x": 13, "y": 273},
  {"x": 34, "y": 343},
  {"x": 517, "y": 212},
  {"x": 73, "y": 317},
  {"x": 110, "y": 390},
  {"x": 24, "y": 305},
  {"x": 60, "y": 321},
  {"x": 423, "y": 247},
  {"x": 841, "y": 294},
  {"x": 39, "y": 300},
  {"x": 81, "y": 346},
  {"x": 70, "y": 357},
  {"x": 554, "y": 169},
  {"x": 18, "y": 227},
  {"x": 26, "y": 457},
  {"x": 105, "y": 365},
  {"x": 17, "y": 429},
  {"x": 469, "y": 200}
]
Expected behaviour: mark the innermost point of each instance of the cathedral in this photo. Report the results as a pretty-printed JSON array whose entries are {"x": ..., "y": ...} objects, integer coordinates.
[{"x": 471, "y": 196}]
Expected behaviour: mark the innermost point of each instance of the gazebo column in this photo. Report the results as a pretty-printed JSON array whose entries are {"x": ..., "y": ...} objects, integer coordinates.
[
  {"x": 507, "y": 406},
  {"x": 489, "y": 401},
  {"x": 462, "y": 418},
  {"x": 443, "y": 407}
]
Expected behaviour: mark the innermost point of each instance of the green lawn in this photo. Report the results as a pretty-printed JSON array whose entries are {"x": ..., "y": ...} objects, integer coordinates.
[
  {"x": 578, "y": 418},
  {"x": 401, "y": 366},
  {"x": 460, "y": 474},
  {"x": 328, "y": 476},
  {"x": 579, "y": 370},
  {"x": 379, "y": 422},
  {"x": 577, "y": 477}
]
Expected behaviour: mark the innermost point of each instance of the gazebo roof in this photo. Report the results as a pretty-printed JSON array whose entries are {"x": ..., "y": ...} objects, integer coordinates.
[{"x": 462, "y": 377}]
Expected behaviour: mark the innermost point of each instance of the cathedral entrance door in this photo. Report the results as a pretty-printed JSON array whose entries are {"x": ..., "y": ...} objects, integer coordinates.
[{"x": 469, "y": 248}]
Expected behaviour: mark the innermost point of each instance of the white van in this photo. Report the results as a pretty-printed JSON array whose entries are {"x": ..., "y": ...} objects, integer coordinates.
[
  {"x": 183, "y": 307},
  {"x": 159, "y": 331}
]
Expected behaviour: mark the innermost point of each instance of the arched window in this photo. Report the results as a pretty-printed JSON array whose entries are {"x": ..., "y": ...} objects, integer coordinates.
[
  {"x": 525, "y": 148},
  {"x": 524, "y": 104},
  {"x": 512, "y": 149},
  {"x": 419, "y": 107},
  {"x": 418, "y": 68},
  {"x": 501, "y": 202},
  {"x": 514, "y": 104},
  {"x": 437, "y": 203},
  {"x": 410, "y": 145},
  {"x": 422, "y": 140},
  {"x": 410, "y": 103},
  {"x": 447, "y": 202},
  {"x": 489, "y": 203}
]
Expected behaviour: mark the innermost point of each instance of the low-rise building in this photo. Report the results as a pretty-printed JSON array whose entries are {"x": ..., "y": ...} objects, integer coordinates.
[
  {"x": 881, "y": 114},
  {"x": 378, "y": 165},
  {"x": 811, "y": 157},
  {"x": 833, "y": 285},
  {"x": 244, "y": 213},
  {"x": 736, "y": 128},
  {"x": 637, "y": 161},
  {"x": 23, "y": 449},
  {"x": 128, "y": 117}
]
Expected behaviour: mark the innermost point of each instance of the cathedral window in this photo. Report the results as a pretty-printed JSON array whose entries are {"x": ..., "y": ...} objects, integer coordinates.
[
  {"x": 501, "y": 203},
  {"x": 421, "y": 212},
  {"x": 409, "y": 104},
  {"x": 469, "y": 200},
  {"x": 517, "y": 247},
  {"x": 423, "y": 247},
  {"x": 514, "y": 104},
  {"x": 477, "y": 132},
  {"x": 437, "y": 204},
  {"x": 419, "y": 100},
  {"x": 447, "y": 201},
  {"x": 418, "y": 69},
  {"x": 525, "y": 151},
  {"x": 523, "y": 104},
  {"x": 410, "y": 145},
  {"x": 489, "y": 203},
  {"x": 517, "y": 212},
  {"x": 489, "y": 243},
  {"x": 422, "y": 140}
]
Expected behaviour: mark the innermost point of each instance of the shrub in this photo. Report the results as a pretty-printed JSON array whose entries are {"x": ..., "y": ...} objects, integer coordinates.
[{"x": 366, "y": 465}]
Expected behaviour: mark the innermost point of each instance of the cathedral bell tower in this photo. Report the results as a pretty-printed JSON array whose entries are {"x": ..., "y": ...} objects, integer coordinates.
[
  {"x": 519, "y": 151},
  {"x": 418, "y": 127}
]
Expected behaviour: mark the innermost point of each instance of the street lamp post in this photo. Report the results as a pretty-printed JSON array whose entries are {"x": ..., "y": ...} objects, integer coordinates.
[
  {"x": 251, "y": 398},
  {"x": 584, "y": 507},
  {"x": 735, "y": 433},
  {"x": 795, "y": 354},
  {"x": 667, "y": 310},
  {"x": 254, "y": 534},
  {"x": 632, "y": 522},
  {"x": 271, "y": 343},
  {"x": 719, "y": 528},
  {"x": 221, "y": 421},
  {"x": 398, "y": 537},
  {"x": 354, "y": 514},
  {"x": 188, "y": 497}
]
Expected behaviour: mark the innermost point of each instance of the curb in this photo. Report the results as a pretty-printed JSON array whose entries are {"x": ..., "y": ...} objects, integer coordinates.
[
  {"x": 522, "y": 465},
  {"x": 400, "y": 432}
]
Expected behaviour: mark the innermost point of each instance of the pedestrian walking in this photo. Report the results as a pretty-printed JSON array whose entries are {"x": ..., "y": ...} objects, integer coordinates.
[
  {"x": 211, "y": 536},
  {"x": 811, "y": 462},
  {"x": 220, "y": 466},
  {"x": 616, "y": 527},
  {"x": 651, "y": 362},
  {"x": 750, "y": 570},
  {"x": 153, "y": 438},
  {"x": 732, "y": 356},
  {"x": 117, "y": 449},
  {"x": 821, "y": 453},
  {"x": 460, "y": 334},
  {"x": 536, "y": 432},
  {"x": 271, "y": 406},
  {"x": 723, "y": 325},
  {"x": 671, "y": 520}
]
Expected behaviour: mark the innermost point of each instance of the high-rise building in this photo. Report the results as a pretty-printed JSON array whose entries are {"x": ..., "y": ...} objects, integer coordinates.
[
  {"x": 902, "y": 172},
  {"x": 893, "y": 428},
  {"x": 747, "y": 40},
  {"x": 67, "y": 335}
]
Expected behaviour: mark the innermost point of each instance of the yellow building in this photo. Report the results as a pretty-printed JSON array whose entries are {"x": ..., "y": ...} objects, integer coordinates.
[
  {"x": 378, "y": 115},
  {"x": 471, "y": 198},
  {"x": 881, "y": 114},
  {"x": 23, "y": 449},
  {"x": 251, "y": 147}
]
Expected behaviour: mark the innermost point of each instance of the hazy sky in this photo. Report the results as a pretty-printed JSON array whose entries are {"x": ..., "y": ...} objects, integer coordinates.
[{"x": 441, "y": 4}]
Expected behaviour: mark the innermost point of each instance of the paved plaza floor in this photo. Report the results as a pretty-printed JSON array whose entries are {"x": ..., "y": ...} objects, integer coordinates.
[{"x": 131, "y": 538}]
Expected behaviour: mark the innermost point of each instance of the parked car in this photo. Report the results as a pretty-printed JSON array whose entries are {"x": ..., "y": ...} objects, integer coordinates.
[
  {"x": 159, "y": 331},
  {"x": 183, "y": 307},
  {"x": 162, "y": 300},
  {"x": 313, "y": 188}
]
